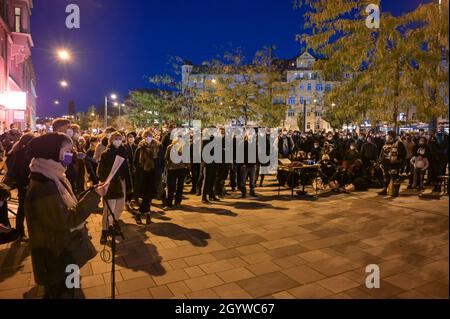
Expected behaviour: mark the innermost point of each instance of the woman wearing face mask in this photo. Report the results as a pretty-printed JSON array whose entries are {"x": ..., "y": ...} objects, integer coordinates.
[
  {"x": 120, "y": 185},
  {"x": 145, "y": 162},
  {"x": 101, "y": 147},
  {"x": 55, "y": 218}
]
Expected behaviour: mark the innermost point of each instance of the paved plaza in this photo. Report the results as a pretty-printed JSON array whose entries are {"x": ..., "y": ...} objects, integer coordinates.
[{"x": 269, "y": 247}]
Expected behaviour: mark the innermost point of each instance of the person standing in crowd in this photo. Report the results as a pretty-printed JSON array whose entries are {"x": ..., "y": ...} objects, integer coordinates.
[
  {"x": 285, "y": 145},
  {"x": 120, "y": 185},
  {"x": 209, "y": 175},
  {"x": 20, "y": 171},
  {"x": 9, "y": 138},
  {"x": 420, "y": 165},
  {"x": 247, "y": 169},
  {"x": 369, "y": 152},
  {"x": 176, "y": 173},
  {"x": 195, "y": 169},
  {"x": 392, "y": 156},
  {"x": 131, "y": 148},
  {"x": 101, "y": 147},
  {"x": 55, "y": 217},
  {"x": 221, "y": 168},
  {"x": 64, "y": 126},
  {"x": 91, "y": 163},
  {"x": 79, "y": 159},
  {"x": 145, "y": 161}
]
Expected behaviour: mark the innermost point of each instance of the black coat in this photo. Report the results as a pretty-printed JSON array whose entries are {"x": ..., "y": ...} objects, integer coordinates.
[{"x": 104, "y": 168}]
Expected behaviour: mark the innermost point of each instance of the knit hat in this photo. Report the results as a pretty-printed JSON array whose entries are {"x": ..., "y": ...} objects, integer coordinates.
[{"x": 48, "y": 146}]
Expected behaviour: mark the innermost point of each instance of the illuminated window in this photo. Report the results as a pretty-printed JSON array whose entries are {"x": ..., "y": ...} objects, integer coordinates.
[
  {"x": 309, "y": 87},
  {"x": 18, "y": 19}
]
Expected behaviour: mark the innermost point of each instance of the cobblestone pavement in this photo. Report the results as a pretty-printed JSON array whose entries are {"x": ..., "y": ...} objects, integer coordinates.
[{"x": 270, "y": 247}]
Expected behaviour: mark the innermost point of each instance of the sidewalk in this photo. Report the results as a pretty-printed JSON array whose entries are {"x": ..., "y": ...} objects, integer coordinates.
[{"x": 271, "y": 247}]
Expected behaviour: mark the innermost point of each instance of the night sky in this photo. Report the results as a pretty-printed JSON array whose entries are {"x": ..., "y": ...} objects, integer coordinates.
[{"x": 121, "y": 42}]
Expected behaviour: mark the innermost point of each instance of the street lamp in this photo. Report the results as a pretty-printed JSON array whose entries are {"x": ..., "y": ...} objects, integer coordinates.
[
  {"x": 64, "y": 83},
  {"x": 56, "y": 102},
  {"x": 63, "y": 55},
  {"x": 113, "y": 97}
]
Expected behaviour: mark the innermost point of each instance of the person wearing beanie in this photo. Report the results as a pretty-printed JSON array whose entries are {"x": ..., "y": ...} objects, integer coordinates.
[
  {"x": 55, "y": 218},
  {"x": 120, "y": 185}
]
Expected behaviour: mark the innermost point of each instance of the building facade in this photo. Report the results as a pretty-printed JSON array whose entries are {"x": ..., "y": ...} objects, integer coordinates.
[
  {"x": 299, "y": 85},
  {"x": 17, "y": 77}
]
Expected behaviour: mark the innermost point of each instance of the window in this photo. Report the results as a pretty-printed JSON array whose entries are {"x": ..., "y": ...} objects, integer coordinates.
[
  {"x": 302, "y": 99},
  {"x": 18, "y": 19},
  {"x": 319, "y": 87},
  {"x": 310, "y": 100},
  {"x": 308, "y": 114},
  {"x": 309, "y": 87},
  {"x": 413, "y": 116},
  {"x": 317, "y": 126},
  {"x": 301, "y": 74},
  {"x": 291, "y": 100},
  {"x": 310, "y": 75},
  {"x": 308, "y": 126},
  {"x": 291, "y": 113},
  {"x": 302, "y": 87}
]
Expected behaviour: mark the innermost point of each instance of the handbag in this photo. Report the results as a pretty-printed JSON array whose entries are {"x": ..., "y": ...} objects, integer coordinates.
[{"x": 80, "y": 247}]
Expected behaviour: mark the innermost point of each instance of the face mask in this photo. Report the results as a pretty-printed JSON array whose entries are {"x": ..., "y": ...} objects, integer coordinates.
[
  {"x": 149, "y": 139},
  {"x": 67, "y": 159},
  {"x": 69, "y": 133},
  {"x": 117, "y": 143}
]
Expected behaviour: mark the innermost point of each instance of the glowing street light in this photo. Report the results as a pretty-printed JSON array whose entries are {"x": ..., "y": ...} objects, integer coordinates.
[
  {"x": 56, "y": 102},
  {"x": 113, "y": 96},
  {"x": 64, "y": 55},
  {"x": 64, "y": 83}
]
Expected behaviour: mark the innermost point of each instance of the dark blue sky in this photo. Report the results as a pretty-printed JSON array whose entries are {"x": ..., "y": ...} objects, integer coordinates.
[{"x": 122, "y": 41}]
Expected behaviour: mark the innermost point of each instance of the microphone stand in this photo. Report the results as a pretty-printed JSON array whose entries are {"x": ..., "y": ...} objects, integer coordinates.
[{"x": 114, "y": 230}]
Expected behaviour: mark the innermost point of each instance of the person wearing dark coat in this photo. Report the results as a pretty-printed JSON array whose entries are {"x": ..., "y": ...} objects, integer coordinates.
[
  {"x": 21, "y": 171},
  {"x": 369, "y": 151},
  {"x": 55, "y": 218},
  {"x": 120, "y": 185},
  {"x": 146, "y": 162},
  {"x": 352, "y": 154},
  {"x": 131, "y": 148}
]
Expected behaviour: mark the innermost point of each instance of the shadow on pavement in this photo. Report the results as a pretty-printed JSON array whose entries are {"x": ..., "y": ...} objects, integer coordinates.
[
  {"x": 11, "y": 259},
  {"x": 208, "y": 210},
  {"x": 196, "y": 237}
]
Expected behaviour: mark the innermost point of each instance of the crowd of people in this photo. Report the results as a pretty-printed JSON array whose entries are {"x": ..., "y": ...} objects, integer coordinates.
[{"x": 65, "y": 171}]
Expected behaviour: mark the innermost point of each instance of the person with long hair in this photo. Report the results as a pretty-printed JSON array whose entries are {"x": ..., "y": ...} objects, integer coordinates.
[
  {"x": 55, "y": 218},
  {"x": 120, "y": 184},
  {"x": 145, "y": 162}
]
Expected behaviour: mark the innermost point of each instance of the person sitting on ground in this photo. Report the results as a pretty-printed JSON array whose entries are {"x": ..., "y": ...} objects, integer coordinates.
[{"x": 342, "y": 179}]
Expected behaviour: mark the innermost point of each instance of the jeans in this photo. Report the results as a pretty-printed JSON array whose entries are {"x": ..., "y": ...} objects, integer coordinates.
[
  {"x": 247, "y": 171},
  {"x": 419, "y": 175},
  {"x": 175, "y": 183}
]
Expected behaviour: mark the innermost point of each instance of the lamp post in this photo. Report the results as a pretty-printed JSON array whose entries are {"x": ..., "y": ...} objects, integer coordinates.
[
  {"x": 113, "y": 97},
  {"x": 304, "y": 115}
]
